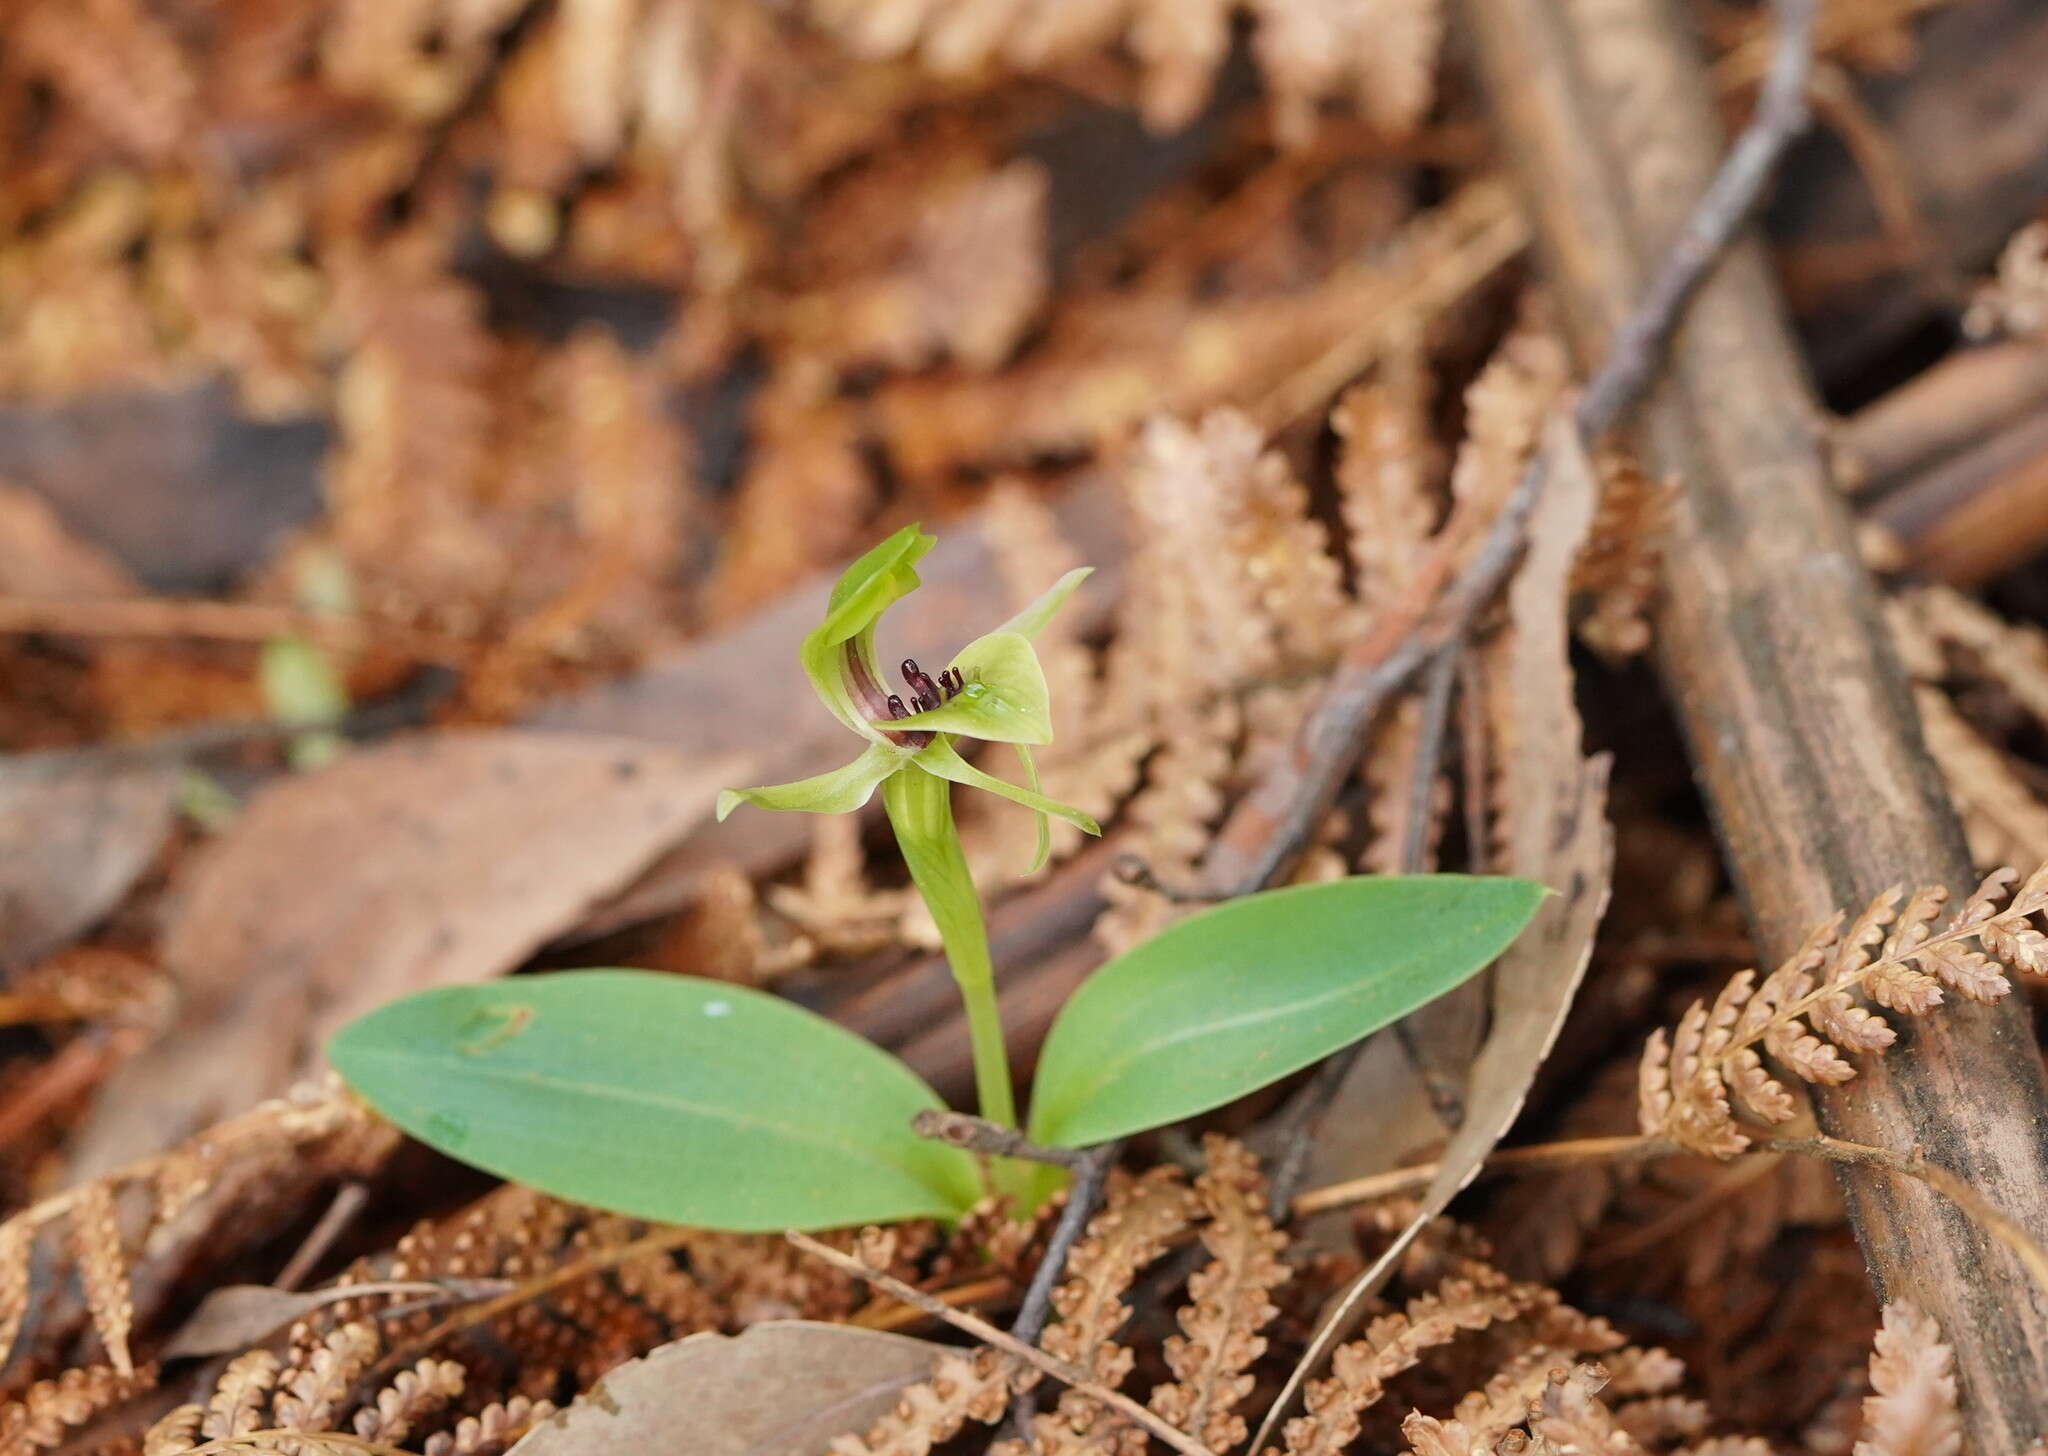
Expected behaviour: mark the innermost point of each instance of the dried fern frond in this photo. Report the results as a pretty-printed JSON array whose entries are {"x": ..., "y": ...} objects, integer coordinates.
[
  {"x": 965, "y": 1387},
  {"x": 273, "y": 1133},
  {"x": 1806, "y": 1014},
  {"x": 1360, "y": 1370},
  {"x": 2015, "y": 302},
  {"x": 1913, "y": 1410},
  {"x": 1229, "y": 1301},
  {"x": 1570, "y": 1415},
  {"x": 49, "y": 1410},
  {"x": 1139, "y": 1219},
  {"x": 492, "y": 1430}
]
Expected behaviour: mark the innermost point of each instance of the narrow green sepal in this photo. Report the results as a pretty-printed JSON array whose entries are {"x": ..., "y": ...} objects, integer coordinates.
[
  {"x": 841, "y": 791},
  {"x": 1031, "y": 621},
  {"x": 939, "y": 758}
]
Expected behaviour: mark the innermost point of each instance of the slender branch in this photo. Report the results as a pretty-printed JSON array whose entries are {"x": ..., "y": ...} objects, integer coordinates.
[
  {"x": 1036, "y": 1305},
  {"x": 1303, "y": 788},
  {"x": 1009, "y": 1344},
  {"x": 993, "y": 1140},
  {"x": 1082, "y": 1197},
  {"x": 1641, "y": 1147},
  {"x": 2008, "y": 1231}
]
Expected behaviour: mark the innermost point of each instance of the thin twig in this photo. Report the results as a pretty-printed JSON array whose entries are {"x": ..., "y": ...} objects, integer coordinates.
[
  {"x": 253, "y": 622},
  {"x": 1475, "y": 775},
  {"x": 2007, "y": 1230},
  {"x": 349, "y": 1201},
  {"x": 1036, "y": 1306},
  {"x": 1282, "y": 814},
  {"x": 1641, "y": 1147},
  {"x": 1009, "y": 1344},
  {"x": 974, "y": 1134},
  {"x": 1131, "y": 869}
]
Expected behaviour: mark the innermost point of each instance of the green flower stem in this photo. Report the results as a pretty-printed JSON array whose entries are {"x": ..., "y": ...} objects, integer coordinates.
[{"x": 920, "y": 807}]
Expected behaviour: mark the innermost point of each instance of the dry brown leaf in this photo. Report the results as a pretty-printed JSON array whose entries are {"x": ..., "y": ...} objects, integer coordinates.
[
  {"x": 784, "y": 1388},
  {"x": 75, "y": 832},
  {"x": 443, "y": 859}
]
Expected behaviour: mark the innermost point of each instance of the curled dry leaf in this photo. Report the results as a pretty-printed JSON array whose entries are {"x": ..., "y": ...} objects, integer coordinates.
[
  {"x": 447, "y": 858},
  {"x": 784, "y": 1388}
]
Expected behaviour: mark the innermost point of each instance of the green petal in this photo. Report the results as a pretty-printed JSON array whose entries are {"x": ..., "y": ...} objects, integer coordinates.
[
  {"x": 841, "y": 791},
  {"x": 1031, "y": 621},
  {"x": 864, "y": 591},
  {"x": 1005, "y": 699},
  {"x": 940, "y": 759}
]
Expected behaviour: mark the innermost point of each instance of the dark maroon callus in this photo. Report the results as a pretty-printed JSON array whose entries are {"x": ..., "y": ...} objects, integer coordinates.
[{"x": 921, "y": 685}]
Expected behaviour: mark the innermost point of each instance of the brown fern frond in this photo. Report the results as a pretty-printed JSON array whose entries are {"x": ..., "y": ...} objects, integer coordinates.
[
  {"x": 1570, "y": 1415},
  {"x": 311, "y": 1389},
  {"x": 1483, "y": 1418},
  {"x": 491, "y": 1431},
  {"x": 1360, "y": 1370},
  {"x": 1805, "y": 1014},
  {"x": 176, "y": 1433},
  {"x": 103, "y": 1270},
  {"x": 1229, "y": 1301},
  {"x": 1387, "y": 474},
  {"x": 1913, "y": 1409},
  {"x": 241, "y": 1397},
  {"x": 50, "y": 1409},
  {"x": 1139, "y": 1219},
  {"x": 965, "y": 1387},
  {"x": 411, "y": 1397}
]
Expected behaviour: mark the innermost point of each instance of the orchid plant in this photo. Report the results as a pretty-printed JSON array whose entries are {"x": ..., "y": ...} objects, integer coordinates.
[
  {"x": 697, "y": 1101},
  {"x": 993, "y": 690}
]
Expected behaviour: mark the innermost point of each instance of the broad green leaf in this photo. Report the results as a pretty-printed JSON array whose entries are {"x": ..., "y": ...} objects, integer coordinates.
[
  {"x": 1243, "y": 993},
  {"x": 1004, "y": 700},
  {"x": 664, "y": 1097}
]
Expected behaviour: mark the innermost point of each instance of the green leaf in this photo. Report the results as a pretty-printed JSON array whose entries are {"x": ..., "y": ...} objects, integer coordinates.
[
  {"x": 840, "y": 791},
  {"x": 1004, "y": 701},
  {"x": 660, "y": 1096},
  {"x": 1242, "y": 994}
]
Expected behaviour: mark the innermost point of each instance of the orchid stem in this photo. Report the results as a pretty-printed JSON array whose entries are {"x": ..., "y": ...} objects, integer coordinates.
[{"x": 920, "y": 807}]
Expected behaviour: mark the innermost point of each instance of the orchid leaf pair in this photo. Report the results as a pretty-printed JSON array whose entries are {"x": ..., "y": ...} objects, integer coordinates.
[{"x": 693, "y": 1101}]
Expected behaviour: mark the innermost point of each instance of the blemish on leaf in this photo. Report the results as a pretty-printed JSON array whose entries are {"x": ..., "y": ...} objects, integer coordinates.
[{"x": 502, "y": 1024}]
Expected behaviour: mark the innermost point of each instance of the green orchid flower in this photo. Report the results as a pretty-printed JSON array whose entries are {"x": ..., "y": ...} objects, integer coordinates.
[{"x": 993, "y": 690}]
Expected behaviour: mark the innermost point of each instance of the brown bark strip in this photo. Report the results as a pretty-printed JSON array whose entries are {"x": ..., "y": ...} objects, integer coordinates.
[{"x": 1771, "y": 642}]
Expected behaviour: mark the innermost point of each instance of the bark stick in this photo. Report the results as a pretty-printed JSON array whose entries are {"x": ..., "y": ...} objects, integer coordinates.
[{"x": 1800, "y": 724}]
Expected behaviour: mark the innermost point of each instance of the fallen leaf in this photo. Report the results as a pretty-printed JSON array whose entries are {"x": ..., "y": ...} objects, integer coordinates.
[
  {"x": 784, "y": 1388},
  {"x": 1557, "y": 833},
  {"x": 237, "y": 1317},
  {"x": 432, "y": 860},
  {"x": 75, "y": 832}
]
